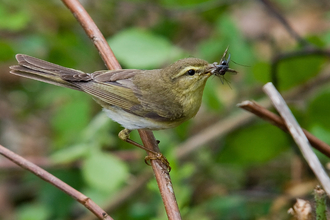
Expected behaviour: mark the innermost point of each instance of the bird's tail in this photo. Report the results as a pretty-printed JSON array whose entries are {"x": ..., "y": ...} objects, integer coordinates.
[{"x": 44, "y": 71}]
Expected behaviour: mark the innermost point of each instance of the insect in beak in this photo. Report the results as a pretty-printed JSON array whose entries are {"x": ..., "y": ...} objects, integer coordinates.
[{"x": 222, "y": 68}]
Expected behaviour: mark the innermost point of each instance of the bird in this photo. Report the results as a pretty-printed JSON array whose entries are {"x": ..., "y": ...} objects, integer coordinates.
[{"x": 136, "y": 99}]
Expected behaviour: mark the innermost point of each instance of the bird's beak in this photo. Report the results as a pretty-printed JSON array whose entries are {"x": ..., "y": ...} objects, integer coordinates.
[{"x": 210, "y": 68}]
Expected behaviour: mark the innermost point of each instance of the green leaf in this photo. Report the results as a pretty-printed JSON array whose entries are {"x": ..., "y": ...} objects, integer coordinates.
[
  {"x": 318, "y": 110},
  {"x": 100, "y": 128},
  {"x": 59, "y": 203},
  {"x": 316, "y": 40},
  {"x": 13, "y": 20},
  {"x": 210, "y": 49},
  {"x": 33, "y": 45},
  {"x": 295, "y": 71},
  {"x": 70, "y": 154},
  {"x": 104, "y": 172},
  {"x": 33, "y": 212},
  {"x": 96, "y": 134},
  {"x": 72, "y": 116},
  {"x": 6, "y": 52},
  {"x": 229, "y": 204},
  {"x": 254, "y": 145},
  {"x": 261, "y": 72},
  {"x": 239, "y": 49},
  {"x": 210, "y": 97},
  {"x": 326, "y": 38},
  {"x": 321, "y": 133},
  {"x": 236, "y": 207},
  {"x": 141, "y": 49},
  {"x": 99, "y": 197}
]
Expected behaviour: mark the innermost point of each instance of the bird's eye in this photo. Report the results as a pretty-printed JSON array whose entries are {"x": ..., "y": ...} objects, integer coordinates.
[
  {"x": 223, "y": 63},
  {"x": 191, "y": 72}
]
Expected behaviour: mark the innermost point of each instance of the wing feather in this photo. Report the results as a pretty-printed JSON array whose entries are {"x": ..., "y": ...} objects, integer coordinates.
[{"x": 111, "y": 87}]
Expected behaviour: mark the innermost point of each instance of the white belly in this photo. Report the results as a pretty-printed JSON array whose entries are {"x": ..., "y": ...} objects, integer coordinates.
[{"x": 132, "y": 122}]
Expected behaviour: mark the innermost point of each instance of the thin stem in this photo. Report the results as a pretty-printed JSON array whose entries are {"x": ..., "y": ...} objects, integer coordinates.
[
  {"x": 276, "y": 120},
  {"x": 218, "y": 130},
  {"x": 298, "y": 135},
  {"x": 163, "y": 178},
  {"x": 147, "y": 137},
  {"x": 320, "y": 203},
  {"x": 43, "y": 174},
  {"x": 238, "y": 118}
]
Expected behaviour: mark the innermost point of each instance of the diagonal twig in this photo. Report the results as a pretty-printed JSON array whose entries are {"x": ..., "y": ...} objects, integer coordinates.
[
  {"x": 218, "y": 130},
  {"x": 163, "y": 179},
  {"x": 298, "y": 135},
  {"x": 276, "y": 120},
  {"x": 147, "y": 137},
  {"x": 43, "y": 174},
  {"x": 238, "y": 119}
]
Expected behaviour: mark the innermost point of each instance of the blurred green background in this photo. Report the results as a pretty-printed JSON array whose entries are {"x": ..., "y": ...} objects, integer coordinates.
[{"x": 253, "y": 172}]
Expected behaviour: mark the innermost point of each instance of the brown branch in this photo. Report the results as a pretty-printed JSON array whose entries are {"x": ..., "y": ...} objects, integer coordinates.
[
  {"x": 238, "y": 119},
  {"x": 44, "y": 162},
  {"x": 276, "y": 120},
  {"x": 298, "y": 136},
  {"x": 163, "y": 178},
  {"x": 217, "y": 131},
  {"x": 43, "y": 174},
  {"x": 147, "y": 137}
]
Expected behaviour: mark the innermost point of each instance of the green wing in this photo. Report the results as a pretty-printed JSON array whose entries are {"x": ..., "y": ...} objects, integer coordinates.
[
  {"x": 108, "y": 87},
  {"x": 113, "y": 87}
]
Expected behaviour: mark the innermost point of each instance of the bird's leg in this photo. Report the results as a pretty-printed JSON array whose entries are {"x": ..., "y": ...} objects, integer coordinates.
[{"x": 124, "y": 135}]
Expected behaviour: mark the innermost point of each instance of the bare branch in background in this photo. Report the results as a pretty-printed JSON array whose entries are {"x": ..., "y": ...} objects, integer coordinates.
[
  {"x": 43, "y": 174},
  {"x": 276, "y": 120},
  {"x": 147, "y": 137},
  {"x": 161, "y": 173},
  {"x": 237, "y": 119},
  {"x": 298, "y": 135},
  {"x": 218, "y": 130}
]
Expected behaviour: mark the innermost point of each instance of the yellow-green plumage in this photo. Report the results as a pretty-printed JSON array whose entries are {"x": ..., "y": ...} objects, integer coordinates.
[{"x": 137, "y": 99}]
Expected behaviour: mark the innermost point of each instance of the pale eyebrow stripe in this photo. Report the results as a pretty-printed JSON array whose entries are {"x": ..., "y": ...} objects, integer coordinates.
[{"x": 184, "y": 71}]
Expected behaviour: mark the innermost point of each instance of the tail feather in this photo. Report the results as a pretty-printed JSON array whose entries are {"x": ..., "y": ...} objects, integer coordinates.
[
  {"x": 41, "y": 76},
  {"x": 47, "y": 67},
  {"x": 44, "y": 71}
]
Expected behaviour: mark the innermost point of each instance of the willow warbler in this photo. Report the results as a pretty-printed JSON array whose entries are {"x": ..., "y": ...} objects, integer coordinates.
[{"x": 136, "y": 99}]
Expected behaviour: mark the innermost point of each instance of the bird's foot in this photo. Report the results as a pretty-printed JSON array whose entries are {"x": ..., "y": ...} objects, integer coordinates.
[
  {"x": 158, "y": 156},
  {"x": 124, "y": 135}
]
